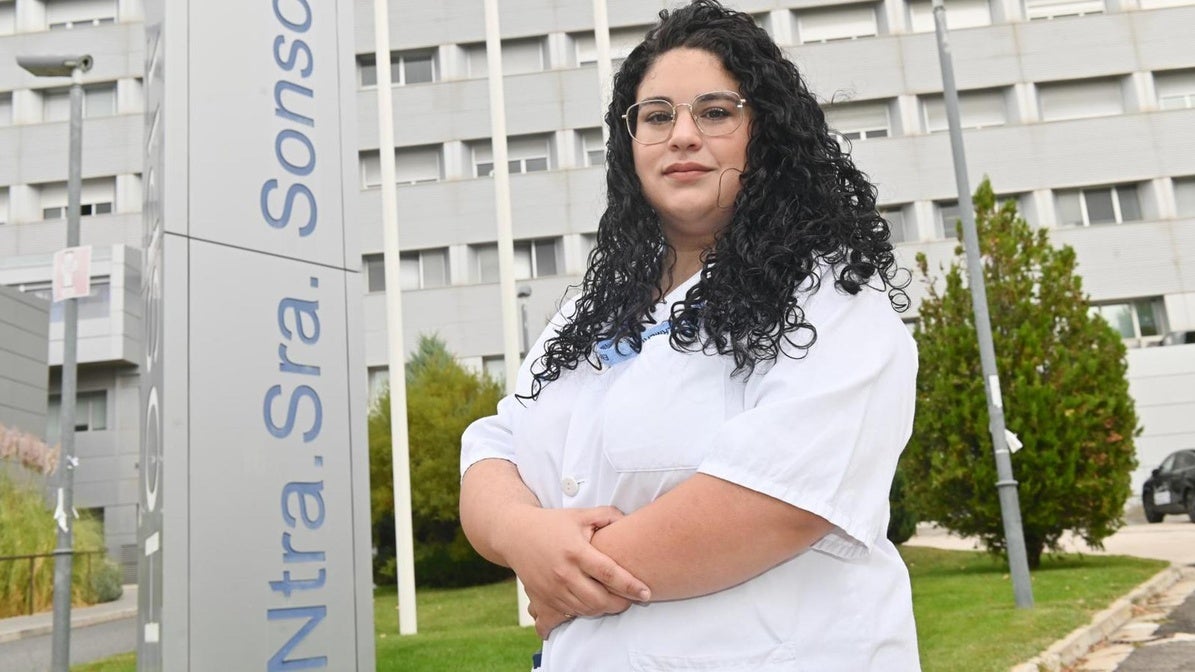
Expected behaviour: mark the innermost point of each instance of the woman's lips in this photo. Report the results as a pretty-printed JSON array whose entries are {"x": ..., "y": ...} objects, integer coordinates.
[{"x": 686, "y": 172}]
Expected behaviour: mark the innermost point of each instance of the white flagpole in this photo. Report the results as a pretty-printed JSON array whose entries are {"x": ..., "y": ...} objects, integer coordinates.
[
  {"x": 506, "y": 246},
  {"x": 404, "y": 538},
  {"x": 605, "y": 68}
]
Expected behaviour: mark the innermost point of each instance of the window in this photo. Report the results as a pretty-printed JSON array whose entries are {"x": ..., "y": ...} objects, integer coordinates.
[
  {"x": 68, "y": 14},
  {"x": 1098, "y": 205},
  {"x": 99, "y": 100},
  {"x": 593, "y": 149},
  {"x": 839, "y": 22},
  {"x": 494, "y": 366},
  {"x": 5, "y": 108},
  {"x": 374, "y": 269},
  {"x": 946, "y": 219},
  {"x": 1176, "y": 89},
  {"x": 518, "y": 57},
  {"x": 423, "y": 269},
  {"x": 1143, "y": 320},
  {"x": 419, "y": 269},
  {"x": 859, "y": 121},
  {"x": 379, "y": 381},
  {"x": 1049, "y": 9},
  {"x": 962, "y": 14},
  {"x": 1158, "y": 4},
  {"x": 902, "y": 230},
  {"x": 412, "y": 165},
  {"x": 406, "y": 67},
  {"x": 91, "y": 414},
  {"x": 93, "y": 306},
  {"x": 96, "y": 198},
  {"x": 588, "y": 243},
  {"x": 525, "y": 154},
  {"x": 3, "y": 205},
  {"x": 533, "y": 259},
  {"x": 1080, "y": 99},
  {"x": 8, "y": 17},
  {"x": 1184, "y": 197},
  {"x": 977, "y": 109},
  {"x": 622, "y": 42}
]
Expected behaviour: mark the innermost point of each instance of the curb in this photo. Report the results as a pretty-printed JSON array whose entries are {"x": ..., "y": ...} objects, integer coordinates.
[
  {"x": 81, "y": 621},
  {"x": 1079, "y": 643}
]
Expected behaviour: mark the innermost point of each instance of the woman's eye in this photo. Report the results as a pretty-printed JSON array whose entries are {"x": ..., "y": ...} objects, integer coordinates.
[
  {"x": 658, "y": 117},
  {"x": 716, "y": 113}
]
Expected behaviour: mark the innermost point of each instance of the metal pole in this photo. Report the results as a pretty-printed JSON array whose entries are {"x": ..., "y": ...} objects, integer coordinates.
[
  {"x": 506, "y": 247},
  {"x": 1010, "y": 507},
  {"x": 60, "y": 654},
  {"x": 404, "y": 536}
]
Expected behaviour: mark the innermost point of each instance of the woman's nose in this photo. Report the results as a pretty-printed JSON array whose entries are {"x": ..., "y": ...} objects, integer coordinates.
[{"x": 685, "y": 133}]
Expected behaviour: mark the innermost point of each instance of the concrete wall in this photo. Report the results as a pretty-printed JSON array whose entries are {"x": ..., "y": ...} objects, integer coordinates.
[
  {"x": 24, "y": 338},
  {"x": 1162, "y": 382}
]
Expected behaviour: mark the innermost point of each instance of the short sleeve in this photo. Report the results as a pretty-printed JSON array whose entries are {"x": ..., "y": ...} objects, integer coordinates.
[
  {"x": 492, "y": 437},
  {"x": 824, "y": 432}
]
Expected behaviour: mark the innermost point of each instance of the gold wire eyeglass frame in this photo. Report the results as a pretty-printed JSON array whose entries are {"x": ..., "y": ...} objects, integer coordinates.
[{"x": 626, "y": 116}]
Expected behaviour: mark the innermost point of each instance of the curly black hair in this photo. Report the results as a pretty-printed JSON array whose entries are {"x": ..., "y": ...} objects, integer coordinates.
[{"x": 802, "y": 202}]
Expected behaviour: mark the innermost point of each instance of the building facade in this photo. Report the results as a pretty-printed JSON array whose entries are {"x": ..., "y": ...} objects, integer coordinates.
[{"x": 1081, "y": 110}]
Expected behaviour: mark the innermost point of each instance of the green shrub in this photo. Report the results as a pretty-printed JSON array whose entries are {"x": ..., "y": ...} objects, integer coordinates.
[
  {"x": 902, "y": 523},
  {"x": 105, "y": 580},
  {"x": 27, "y": 527},
  {"x": 1062, "y": 369},
  {"x": 443, "y": 398}
]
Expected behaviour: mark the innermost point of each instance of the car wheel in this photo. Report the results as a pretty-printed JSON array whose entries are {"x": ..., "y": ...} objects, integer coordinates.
[{"x": 1152, "y": 515}]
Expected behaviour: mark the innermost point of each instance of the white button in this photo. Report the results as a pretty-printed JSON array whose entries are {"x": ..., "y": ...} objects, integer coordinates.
[{"x": 570, "y": 486}]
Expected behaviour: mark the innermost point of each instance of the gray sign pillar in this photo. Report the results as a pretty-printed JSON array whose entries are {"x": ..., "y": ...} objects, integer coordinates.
[{"x": 254, "y": 520}]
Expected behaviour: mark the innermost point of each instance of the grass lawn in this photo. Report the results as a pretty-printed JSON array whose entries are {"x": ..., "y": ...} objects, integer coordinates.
[
  {"x": 967, "y": 620},
  {"x": 963, "y": 600}
]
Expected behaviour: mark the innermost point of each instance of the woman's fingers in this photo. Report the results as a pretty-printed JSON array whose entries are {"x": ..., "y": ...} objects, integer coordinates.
[
  {"x": 611, "y": 575},
  {"x": 557, "y": 563},
  {"x": 591, "y": 598}
]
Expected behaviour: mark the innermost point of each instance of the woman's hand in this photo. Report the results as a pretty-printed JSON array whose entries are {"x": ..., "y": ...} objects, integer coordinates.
[
  {"x": 549, "y": 549},
  {"x": 546, "y": 619},
  {"x": 562, "y": 572}
]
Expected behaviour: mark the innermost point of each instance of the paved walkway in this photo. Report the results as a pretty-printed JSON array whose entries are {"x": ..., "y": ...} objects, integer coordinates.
[{"x": 97, "y": 632}]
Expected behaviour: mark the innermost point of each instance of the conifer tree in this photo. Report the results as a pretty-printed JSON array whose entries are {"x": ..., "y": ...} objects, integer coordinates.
[
  {"x": 443, "y": 398},
  {"x": 1065, "y": 394}
]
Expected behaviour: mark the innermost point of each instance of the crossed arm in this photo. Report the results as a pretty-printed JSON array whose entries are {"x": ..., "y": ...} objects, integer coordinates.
[{"x": 705, "y": 535}]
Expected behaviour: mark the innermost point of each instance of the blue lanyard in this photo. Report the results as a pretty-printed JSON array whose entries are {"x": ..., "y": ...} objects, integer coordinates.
[{"x": 612, "y": 353}]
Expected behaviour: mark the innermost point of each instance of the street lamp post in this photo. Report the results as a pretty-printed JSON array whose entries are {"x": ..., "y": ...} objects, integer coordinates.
[
  {"x": 1010, "y": 507},
  {"x": 73, "y": 67}
]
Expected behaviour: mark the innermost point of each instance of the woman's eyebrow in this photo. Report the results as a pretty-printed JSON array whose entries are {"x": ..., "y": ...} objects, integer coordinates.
[{"x": 655, "y": 98}]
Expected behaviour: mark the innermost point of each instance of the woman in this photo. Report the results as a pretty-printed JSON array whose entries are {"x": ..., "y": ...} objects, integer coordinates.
[{"x": 694, "y": 473}]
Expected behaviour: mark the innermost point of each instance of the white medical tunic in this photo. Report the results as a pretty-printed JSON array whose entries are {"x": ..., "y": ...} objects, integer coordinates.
[{"x": 822, "y": 433}]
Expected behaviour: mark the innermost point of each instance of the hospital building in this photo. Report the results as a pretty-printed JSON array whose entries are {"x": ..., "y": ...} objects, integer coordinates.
[{"x": 1081, "y": 110}]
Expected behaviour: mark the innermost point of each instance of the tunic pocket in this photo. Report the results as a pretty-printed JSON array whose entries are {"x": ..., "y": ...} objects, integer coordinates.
[
  {"x": 781, "y": 658},
  {"x": 663, "y": 410}
]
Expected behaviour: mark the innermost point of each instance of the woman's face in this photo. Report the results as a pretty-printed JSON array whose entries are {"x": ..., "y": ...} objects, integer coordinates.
[{"x": 690, "y": 179}]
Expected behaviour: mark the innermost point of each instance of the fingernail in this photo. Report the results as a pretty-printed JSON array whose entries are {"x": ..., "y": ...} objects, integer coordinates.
[{"x": 645, "y": 595}]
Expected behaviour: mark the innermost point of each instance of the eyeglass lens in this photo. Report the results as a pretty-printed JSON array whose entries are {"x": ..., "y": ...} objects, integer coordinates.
[{"x": 715, "y": 113}]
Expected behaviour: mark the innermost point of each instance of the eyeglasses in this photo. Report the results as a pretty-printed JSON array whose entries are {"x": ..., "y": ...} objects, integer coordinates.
[{"x": 650, "y": 122}]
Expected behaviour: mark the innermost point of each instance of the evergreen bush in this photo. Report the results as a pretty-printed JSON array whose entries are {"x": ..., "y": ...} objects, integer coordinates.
[
  {"x": 1064, "y": 387},
  {"x": 443, "y": 398}
]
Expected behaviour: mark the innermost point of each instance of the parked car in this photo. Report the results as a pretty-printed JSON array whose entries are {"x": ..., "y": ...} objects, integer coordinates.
[{"x": 1171, "y": 487}]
